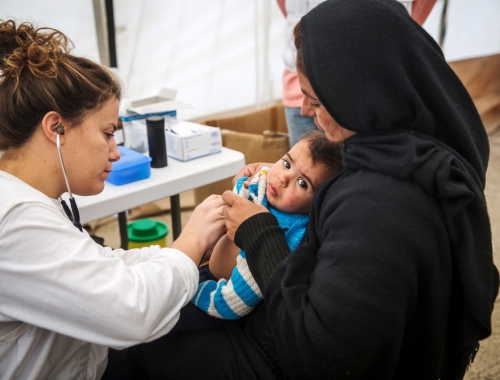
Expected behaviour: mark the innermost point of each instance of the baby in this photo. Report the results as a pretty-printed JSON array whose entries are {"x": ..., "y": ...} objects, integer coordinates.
[{"x": 287, "y": 190}]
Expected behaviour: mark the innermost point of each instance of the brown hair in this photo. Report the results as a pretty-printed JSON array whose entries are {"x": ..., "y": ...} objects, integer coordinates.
[
  {"x": 324, "y": 151},
  {"x": 40, "y": 75},
  {"x": 299, "y": 60}
]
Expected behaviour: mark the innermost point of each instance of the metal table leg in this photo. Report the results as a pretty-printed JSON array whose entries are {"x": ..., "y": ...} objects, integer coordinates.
[
  {"x": 175, "y": 209},
  {"x": 122, "y": 225},
  {"x": 175, "y": 206}
]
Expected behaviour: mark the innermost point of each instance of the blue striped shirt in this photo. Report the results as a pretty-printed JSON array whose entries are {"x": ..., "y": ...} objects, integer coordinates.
[{"x": 236, "y": 297}]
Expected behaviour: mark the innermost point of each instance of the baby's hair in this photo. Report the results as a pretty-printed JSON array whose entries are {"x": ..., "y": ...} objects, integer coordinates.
[
  {"x": 323, "y": 150},
  {"x": 38, "y": 75}
]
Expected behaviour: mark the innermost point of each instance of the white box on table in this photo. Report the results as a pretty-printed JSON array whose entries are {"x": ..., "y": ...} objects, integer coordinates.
[
  {"x": 134, "y": 121},
  {"x": 187, "y": 140}
]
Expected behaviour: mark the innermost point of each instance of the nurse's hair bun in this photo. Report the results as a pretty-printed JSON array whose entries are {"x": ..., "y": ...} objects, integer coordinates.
[
  {"x": 39, "y": 75},
  {"x": 24, "y": 47}
]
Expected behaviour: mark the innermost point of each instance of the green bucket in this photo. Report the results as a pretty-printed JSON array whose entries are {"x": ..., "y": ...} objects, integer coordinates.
[{"x": 147, "y": 232}]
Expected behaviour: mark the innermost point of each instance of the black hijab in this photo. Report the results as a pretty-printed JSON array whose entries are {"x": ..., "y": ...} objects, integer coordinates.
[{"x": 377, "y": 72}]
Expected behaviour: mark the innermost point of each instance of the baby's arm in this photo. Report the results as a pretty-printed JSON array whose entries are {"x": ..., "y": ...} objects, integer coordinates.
[
  {"x": 230, "y": 299},
  {"x": 223, "y": 259}
]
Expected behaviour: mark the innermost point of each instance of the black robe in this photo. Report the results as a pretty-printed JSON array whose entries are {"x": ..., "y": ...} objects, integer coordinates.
[{"x": 395, "y": 278}]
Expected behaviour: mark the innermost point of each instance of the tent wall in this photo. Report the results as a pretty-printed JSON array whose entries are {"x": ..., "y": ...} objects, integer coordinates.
[
  {"x": 223, "y": 54},
  {"x": 472, "y": 28},
  {"x": 219, "y": 54}
]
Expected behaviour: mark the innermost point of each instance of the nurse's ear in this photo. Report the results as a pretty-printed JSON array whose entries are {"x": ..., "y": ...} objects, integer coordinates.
[{"x": 52, "y": 125}]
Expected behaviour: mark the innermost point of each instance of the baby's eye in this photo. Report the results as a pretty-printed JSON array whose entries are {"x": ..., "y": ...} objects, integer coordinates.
[
  {"x": 302, "y": 183},
  {"x": 286, "y": 164}
]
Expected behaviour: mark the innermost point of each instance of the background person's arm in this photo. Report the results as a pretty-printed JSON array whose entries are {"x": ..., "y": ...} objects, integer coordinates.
[
  {"x": 420, "y": 9},
  {"x": 281, "y": 4}
]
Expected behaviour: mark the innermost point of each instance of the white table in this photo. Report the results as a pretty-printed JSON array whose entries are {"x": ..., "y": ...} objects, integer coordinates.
[{"x": 169, "y": 181}]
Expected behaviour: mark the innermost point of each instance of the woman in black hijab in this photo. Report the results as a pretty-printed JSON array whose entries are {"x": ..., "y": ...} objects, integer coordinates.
[{"x": 395, "y": 277}]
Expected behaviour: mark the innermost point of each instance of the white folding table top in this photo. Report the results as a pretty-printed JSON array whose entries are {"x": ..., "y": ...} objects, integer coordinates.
[{"x": 173, "y": 179}]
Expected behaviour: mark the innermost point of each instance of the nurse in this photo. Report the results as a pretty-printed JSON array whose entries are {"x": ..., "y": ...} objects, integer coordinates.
[{"x": 63, "y": 298}]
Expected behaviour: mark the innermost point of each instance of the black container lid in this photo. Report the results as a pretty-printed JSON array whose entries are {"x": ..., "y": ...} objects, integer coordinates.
[{"x": 155, "y": 121}]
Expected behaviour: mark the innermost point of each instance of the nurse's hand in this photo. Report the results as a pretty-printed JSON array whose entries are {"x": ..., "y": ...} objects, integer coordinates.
[
  {"x": 238, "y": 210},
  {"x": 203, "y": 229},
  {"x": 249, "y": 171}
]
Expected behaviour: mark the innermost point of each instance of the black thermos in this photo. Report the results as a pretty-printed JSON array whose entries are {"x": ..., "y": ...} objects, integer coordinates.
[{"x": 156, "y": 141}]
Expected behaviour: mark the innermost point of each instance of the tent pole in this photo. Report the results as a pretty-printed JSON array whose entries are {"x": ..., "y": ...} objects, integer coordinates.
[{"x": 105, "y": 31}]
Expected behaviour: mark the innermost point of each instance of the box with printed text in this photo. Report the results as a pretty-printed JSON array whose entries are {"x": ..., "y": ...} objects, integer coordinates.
[{"x": 187, "y": 140}]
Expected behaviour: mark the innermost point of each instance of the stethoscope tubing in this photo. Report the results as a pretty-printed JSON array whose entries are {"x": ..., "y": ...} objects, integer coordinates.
[
  {"x": 74, "y": 213},
  {"x": 62, "y": 166}
]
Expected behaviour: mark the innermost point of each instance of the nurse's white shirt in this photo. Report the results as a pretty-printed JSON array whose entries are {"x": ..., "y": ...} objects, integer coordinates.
[{"x": 64, "y": 299}]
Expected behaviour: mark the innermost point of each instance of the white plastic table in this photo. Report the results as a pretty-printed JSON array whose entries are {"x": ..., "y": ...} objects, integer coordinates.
[{"x": 169, "y": 181}]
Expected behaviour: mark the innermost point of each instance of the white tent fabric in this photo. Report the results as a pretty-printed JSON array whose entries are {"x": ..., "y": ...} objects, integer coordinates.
[
  {"x": 75, "y": 19},
  {"x": 218, "y": 54},
  {"x": 472, "y": 28},
  {"x": 222, "y": 55}
]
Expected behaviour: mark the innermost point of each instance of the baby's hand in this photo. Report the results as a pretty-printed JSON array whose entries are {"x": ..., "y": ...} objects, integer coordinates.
[{"x": 249, "y": 171}]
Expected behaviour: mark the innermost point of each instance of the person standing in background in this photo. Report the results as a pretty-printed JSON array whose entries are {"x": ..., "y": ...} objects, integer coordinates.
[
  {"x": 293, "y": 10},
  {"x": 297, "y": 124}
]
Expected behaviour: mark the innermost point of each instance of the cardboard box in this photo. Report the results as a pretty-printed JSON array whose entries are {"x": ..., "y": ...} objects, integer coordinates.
[
  {"x": 267, "y": 119},
  {"x": 480, "y": 78},
  {"x": 261, "y": 136},
  {"x": 134, "y": 119},
  {"x": 186, "y": 140}
]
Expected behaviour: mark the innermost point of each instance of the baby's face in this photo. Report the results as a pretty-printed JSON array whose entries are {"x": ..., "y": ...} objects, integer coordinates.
[{"x": 293, "y": 180}]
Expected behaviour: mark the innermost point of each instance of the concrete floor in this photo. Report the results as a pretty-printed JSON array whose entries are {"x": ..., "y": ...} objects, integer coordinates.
[
  {"x": 486, "y": 366},
  {"x": 487, "y": 363}
]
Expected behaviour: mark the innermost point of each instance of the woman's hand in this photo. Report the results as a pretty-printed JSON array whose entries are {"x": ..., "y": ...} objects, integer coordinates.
[
  {"x": 238, "y": 210},
  {"x": 203, "y": 229},
  {"x": 249, "y": 171}
]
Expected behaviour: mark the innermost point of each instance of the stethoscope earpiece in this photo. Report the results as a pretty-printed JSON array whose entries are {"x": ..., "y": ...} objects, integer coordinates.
[{"x": 60, "y": 130}]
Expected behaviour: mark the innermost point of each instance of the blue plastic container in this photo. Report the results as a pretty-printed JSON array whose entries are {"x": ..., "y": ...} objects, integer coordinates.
[{"x": 132, "y": 166}]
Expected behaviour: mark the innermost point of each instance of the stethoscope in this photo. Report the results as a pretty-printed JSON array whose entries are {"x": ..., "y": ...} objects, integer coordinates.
[{"x": 73, "y": 214}]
